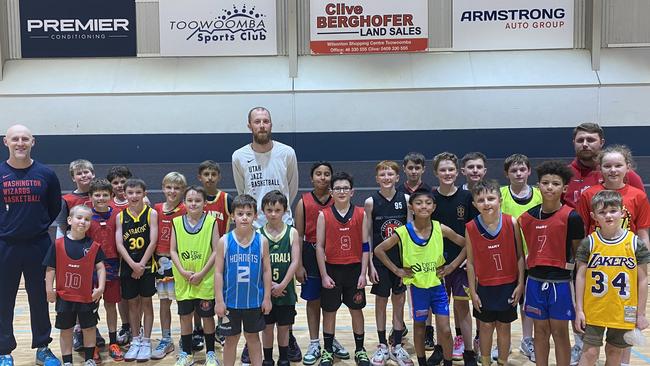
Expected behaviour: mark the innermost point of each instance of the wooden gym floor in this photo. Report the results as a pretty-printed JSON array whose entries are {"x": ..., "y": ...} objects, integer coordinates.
[{"x": 23, "y": 355}]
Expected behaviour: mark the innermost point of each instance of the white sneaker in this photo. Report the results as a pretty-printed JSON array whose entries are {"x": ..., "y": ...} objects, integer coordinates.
[
  {"x": 380, "y": 356},
  {"x": 400, "y": 356},
  {"x": 576, "y": 352},
  {"x": 144, "y": 354},
  {"x": 459, "y": 348},
  {"x": 133, "y": 351},
  {"x": 184, "y": 359},
  {"x": 495, "y": 352},
  {"x": 165, "y": 347},
  {"x": 211, "y": 359},
  {"x": 527, "y": 348},
  {"x": 90, "y": 363}
]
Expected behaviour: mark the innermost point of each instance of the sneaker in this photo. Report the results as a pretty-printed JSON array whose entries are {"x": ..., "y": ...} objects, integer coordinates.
[
  {"x": 361, "y": 358},
  {"x": 339, "y": 351},
  {"x": 428, "y": 339},
  {"x": 326, "y": 358},
  {"x": 312, "y": 355},
  {"x": 144, "y": 354},
  {"x": 436, "y": 357},
  {"x": 459, "y": 348},
  {"x": 6, "y": 360},
  {"x": 90, "y": 363},
  {"x": 164, "y": 347},
  {"x": 220, "y": 338},
  {"x": 124, "y": 336},
  {"x": 97, "y": 357},
  {"x": 380, "y": 356},
  {"x": 295, "y": 355},
  {"x": 268, "y": 362},
  {"x": 495, "y": 352},
  {"x": 211, "y": 359},
  {"x": 133, "y": 351},
  {"x": 77, "y": 340},
  {"x": 392, "y": 331},
  {"x": 527, "y": 348},
  {"x": 576, "y": 352},
  {"x": 400, "y": 356},
  {"x": 99, "y": 340},
  {"x": 284, "y": 363},
  {"x": 115, "y": 352},
  {"x": 245, "y": 358},
  {"x": 45, "y": 357},
  {"x": 197, "y": 339},
  {"x": 469, "y": 358},
  {"x": 184, "y": 359}
]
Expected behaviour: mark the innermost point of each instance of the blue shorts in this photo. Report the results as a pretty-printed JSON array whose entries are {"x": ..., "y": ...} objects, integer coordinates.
[
  {"x": 310, "y": 290},
  {"x": 423, "y": 299},
  {"x": 549, "y": 300}
]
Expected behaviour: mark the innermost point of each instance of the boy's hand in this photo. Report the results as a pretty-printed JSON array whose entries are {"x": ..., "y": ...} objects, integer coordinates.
[
  {"x": 641, "y": 322},
  {"x": 266, "y": 306},
  {"x": 187, "y": 274},
  {"x": 97, "y": 294},
  {"x": 220, "y": 308},
  {"x": 404, "y": 272},
  {"x": 580, "y": 322},
  {"x": 476, "y": 301},
  {"x": 516, "y": 295},
  {"x": 301, "y": 274},
  {"x": 444, "y": 271},
  {"x": 138, "y": 270},
  {"x": 135, "y": 275},
  {"x": 195, "y": 278},
  {"x": 372, "y": 273},
  {"x": 361, "y": 283},
  {"x": 327, "y": 282},
  {"x": 51, "y": 296},
  {"x": 277, "y": 290}
]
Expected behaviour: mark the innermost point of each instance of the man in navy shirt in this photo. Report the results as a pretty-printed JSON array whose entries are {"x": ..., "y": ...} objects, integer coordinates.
[{"x": 29, "y": 202}]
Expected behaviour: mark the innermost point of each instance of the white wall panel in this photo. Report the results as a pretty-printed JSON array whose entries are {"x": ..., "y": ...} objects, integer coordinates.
[
  {"x": 13, "y": 27},
  {"x": 148, "y": 27},
  {"x": 625, "y": 22}
]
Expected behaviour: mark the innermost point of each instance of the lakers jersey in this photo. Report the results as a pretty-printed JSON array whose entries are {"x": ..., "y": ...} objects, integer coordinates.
[{"x": 610, "y": 298}]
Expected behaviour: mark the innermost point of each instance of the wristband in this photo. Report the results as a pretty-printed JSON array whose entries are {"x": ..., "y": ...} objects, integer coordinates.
[{"x": 366, "y": 247}]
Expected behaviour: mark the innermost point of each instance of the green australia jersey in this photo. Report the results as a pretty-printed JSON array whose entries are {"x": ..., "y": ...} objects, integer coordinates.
[
  {"x": 515, "y": 208},
  {"x": 423, "y": 256},
  {"x": 280, "y": 255},
  {"x": 194, "y": 250}
]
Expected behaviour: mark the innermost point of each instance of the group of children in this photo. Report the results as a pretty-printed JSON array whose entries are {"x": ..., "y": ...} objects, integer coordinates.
[{"x": 498, "y": 247}]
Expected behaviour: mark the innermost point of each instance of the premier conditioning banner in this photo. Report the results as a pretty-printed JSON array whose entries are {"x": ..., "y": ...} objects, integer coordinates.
[
  {"x": 77, "y": 28},
  {"x": 217, "y": 27},
  {"x": 368, "y": 26},
  {"x": 512, "y": 24}
]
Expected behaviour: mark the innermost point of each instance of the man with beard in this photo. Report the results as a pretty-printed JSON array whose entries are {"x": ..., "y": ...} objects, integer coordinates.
[
  {"x": 260, "y": 167},
  {"x": 265, "y": 165},
  {"x": 588, "y": 140}
]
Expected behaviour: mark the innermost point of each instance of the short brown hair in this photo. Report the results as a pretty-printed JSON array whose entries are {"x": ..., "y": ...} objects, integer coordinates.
[
  {"x": 589, "y": 127},
  {"x": 387, "y": 164},
  {"x": 606, "y": 198},
  {"x": 444, "y": 156}
]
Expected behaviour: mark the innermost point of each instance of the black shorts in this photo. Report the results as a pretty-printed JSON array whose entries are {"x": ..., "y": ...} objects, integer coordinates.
[
  {"x": 388, "y": 281},
  {"x": 231, "y": 324},
  {"x": 131, "y": 288},
  {"x": 67, "y": 319},
  {"x": 491, "y": 316},
  {"x": 203, "y": 308},
  {"x": 309, "y": 259},
  {"x": 281, "y": 314},
  {"x": 345, "y": 291}
]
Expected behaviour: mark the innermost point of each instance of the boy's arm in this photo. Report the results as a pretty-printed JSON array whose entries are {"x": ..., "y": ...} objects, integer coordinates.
[
  {"x": 101, "y": 281},
  {"x": 49, "y": 284},
  {"x": 471, "y": 276},
  {"x": 365, "y": 255},
  {"x": 295, "y": 259},
  {"x": 367, "y": 229},
  {"x": 62, "y": 220},
  {"x": 119, "y": 242},
  {"x": 220, "y": 306},
  {"x": 519, "y": 290},
  {"x": 450, "y": 234},
  {"x": 643, "y": 235},
  {"x": 299, "y": 222},
  {"x": 642, "y": 293},
  {"x": 153, "y": 237},
  {"x": 327, "y": 282},
  {"x": 380, "y": 252},
  {"x": 580, "y": 293},
  {"x": 267, "y": 276},
  {"x": 409, "y": 212}
]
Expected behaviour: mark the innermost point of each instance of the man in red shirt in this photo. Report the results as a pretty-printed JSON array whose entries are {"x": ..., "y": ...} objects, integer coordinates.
[{"x": 588, "y": 141}]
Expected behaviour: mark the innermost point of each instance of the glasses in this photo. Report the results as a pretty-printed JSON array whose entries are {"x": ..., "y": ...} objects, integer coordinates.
[{"x": 341, "y": 189}]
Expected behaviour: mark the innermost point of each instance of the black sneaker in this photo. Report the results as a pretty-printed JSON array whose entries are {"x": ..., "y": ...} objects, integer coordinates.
[
  {"x": 428, "y": 339},
  {"x": 197, "y": 339},
  {"x": 326, "y": 358},
  {"x": 361, "y": 358},
  {"x": 77, "y": 340},
  {"x": 469, "y": 358},
  {"x": 99, "y": 341},
  {"x": 245, "y": 358},
  {"x": 283, "y": 363},
  {"x": 270, "y": 362},
  {"x": 436, "y": 357},
  {"x": 295, "y": 355}
]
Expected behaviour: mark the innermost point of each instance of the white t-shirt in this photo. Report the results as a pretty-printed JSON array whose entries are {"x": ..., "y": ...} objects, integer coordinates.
[{"x": 259, "y": 173}]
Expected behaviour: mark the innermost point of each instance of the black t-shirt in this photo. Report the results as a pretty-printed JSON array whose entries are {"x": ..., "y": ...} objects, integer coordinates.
[
  {"x": 575, "y": 231},
  {"x": 386, "y": 217},
  {"x": 75, "y": 249},
  {"x": 402, "y": 188},
  {"x": 453, "y": 211}
]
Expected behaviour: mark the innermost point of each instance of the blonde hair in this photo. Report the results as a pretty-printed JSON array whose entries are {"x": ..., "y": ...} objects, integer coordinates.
[
  {"x": 175, "y": 178},
  {"x": 81, "y": 164}
]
